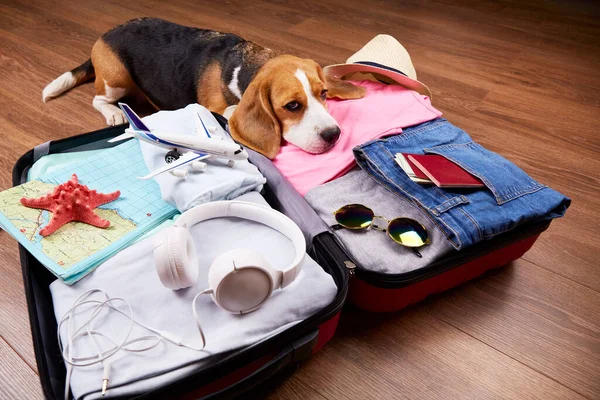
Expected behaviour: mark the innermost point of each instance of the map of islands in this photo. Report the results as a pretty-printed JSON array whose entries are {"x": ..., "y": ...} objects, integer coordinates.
[
  {"x": 73, "y": 242},
  {"x": 75, "y": 249}
]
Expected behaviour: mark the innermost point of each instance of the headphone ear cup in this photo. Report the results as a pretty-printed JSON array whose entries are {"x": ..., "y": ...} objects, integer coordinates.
[
  {"x": 242, "y": 280},
  {"x": 175, "y": 258}
]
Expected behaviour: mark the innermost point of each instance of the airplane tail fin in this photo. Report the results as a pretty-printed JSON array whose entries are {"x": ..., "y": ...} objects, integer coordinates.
[
  {"x": 200, "y": 127},
  {"x": 135, "y": 121}
]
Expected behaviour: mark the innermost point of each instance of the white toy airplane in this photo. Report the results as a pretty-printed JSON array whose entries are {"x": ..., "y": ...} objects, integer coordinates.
[{"x": 184, "y": 149}]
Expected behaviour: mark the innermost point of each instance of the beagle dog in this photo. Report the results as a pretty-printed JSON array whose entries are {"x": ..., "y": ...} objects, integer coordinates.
[{"x": 277, "y": 96}]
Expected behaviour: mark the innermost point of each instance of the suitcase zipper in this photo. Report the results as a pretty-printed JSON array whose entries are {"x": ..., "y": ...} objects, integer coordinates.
[{"x": 351, "y": 267}]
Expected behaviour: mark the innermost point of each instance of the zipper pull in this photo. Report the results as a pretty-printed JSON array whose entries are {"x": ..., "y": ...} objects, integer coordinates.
[{"x": 351, "y": 267}]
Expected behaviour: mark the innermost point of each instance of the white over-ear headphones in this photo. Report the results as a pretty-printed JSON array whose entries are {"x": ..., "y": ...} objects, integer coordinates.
[{"x": 240, "y": 280}]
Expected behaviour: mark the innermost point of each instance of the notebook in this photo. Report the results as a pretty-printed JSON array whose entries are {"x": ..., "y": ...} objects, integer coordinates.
[
  {"x": 443, "y": 172},
  {"x": 75, "y": 249}
]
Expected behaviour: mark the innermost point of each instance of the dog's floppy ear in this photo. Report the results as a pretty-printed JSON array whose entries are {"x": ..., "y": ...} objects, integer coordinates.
[
  {"x": 343, "y": 89},
  {"x": 253, "y": 123}
]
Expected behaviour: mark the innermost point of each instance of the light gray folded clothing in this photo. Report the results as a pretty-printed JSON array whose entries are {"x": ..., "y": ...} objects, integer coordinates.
[
  {"x": 217, "y": 182},
  {"x": 375, "y": 250},
  {"x": 131, "y": 274}
]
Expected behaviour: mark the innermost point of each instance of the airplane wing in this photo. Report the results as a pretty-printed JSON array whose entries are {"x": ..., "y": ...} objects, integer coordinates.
[
  {"x": 124, "y": 136},
  {"x": 184, "y": 159}
]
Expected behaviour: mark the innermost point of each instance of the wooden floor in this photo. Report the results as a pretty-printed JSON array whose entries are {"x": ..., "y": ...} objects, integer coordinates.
[{"x": 523, "y": 78}]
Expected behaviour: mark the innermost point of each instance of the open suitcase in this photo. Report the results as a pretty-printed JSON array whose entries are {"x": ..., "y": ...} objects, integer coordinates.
[{"x": 249, "y": 371}]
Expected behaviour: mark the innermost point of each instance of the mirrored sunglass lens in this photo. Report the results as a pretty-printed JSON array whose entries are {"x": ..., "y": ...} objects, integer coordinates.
[
  {"x": 354, "y": 216},
  {"x": 407, "y": 232}
]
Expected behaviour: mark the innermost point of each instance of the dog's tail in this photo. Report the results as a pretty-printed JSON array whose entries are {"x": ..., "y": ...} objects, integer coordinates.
[{"x": 68, "y": 80}]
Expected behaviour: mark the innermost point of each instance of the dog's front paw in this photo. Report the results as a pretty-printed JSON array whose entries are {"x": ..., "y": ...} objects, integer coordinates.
[{"x": 115, "y": 117}]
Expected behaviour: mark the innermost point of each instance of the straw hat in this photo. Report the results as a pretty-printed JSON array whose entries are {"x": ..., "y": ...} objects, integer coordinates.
[{"x": 384, "y": 59}]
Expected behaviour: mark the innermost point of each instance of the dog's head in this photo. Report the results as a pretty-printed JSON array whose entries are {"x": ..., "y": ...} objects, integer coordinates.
[{"x": 286, "y": 99}]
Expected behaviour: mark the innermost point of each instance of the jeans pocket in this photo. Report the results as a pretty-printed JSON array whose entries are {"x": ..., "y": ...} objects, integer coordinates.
[{"x": 504, "y": 179}]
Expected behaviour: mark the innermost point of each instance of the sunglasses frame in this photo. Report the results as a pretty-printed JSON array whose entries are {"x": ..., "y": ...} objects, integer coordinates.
[{"x": 373, "y": 225}]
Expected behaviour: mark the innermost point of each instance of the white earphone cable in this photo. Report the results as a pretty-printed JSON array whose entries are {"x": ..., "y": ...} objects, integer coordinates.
[
  {"x": 195, "y": 312},
  {"x": 103, "y": 356}
]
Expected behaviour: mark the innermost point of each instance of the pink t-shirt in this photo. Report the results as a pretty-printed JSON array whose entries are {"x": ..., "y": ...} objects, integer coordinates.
[{"x": 384, "y": 111}]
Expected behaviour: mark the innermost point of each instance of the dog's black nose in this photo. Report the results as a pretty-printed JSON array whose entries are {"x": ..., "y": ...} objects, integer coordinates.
[{"x": 330, "y": 135}]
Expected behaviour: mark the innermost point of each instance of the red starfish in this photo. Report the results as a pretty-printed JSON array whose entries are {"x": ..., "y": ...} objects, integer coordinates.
[{"x": 71, "y": 201}]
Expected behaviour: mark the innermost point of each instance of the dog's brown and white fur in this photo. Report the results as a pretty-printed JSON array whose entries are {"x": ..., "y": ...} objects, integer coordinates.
[{"x": 277, "y": 96}]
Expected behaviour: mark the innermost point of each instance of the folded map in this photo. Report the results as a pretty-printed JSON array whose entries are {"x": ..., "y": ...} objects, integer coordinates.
[{"x": 76, "y": 248}]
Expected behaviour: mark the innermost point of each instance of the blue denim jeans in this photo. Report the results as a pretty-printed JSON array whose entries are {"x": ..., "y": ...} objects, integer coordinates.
[{"x": 465, "y": 216}]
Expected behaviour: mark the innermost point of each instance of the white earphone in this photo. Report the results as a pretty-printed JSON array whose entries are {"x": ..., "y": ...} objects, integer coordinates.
[{"x": 240, "y": 280}]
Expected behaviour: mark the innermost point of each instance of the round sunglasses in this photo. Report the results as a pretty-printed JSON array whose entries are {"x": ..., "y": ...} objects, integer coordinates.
[{"x": 404, "y": 231}]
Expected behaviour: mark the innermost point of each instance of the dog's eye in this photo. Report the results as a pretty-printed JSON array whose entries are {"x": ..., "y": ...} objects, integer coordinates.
[
  {"x": 292, "y": 106},
  {"x": 323, "y": 94}
]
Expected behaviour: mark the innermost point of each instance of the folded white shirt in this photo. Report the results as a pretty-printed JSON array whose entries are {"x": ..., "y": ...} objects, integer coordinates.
[
  {"x": 217, "y": 182},
  {"x": 131, "y": 274}
]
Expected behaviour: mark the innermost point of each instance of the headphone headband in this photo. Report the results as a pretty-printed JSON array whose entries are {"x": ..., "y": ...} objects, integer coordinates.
[{"x": 253, "y": 212}]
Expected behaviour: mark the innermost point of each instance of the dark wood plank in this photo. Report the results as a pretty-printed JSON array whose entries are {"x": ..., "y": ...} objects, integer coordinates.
[
  {"x": 14, "y": 326},
  {"x": 18, "y": 379},
  {"x": 414, "y": 355},
  {"x": 295, "y": 389},
  {"x": 552, "y": 326}
]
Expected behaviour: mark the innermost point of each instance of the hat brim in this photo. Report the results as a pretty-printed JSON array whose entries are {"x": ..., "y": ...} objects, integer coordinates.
[{"x": 340, "y": 70}]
